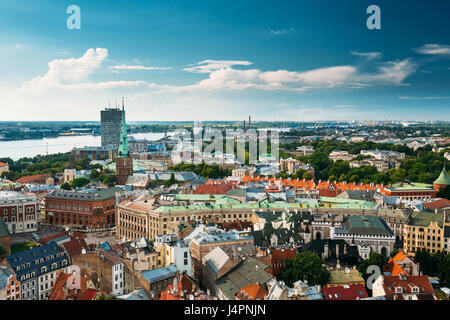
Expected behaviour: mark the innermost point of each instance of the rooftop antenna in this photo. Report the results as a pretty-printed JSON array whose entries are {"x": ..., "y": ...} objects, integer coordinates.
[{"x": 123, "y": 103}]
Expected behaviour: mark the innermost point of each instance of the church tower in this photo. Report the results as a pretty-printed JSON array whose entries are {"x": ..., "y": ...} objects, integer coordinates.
[
  {"x": 442, "y": 181},
  {"x": 70, "y": 172},
  {"x": 124, "y": 163}
]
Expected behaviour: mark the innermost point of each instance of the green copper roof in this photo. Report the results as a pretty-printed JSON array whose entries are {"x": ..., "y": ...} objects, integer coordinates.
[
  {"x": 443, "y": 178},
  {"x": 3, "y": 229},
  {"x": 124, "y": 152},
  {"x": 410, "y": 186},
  {"x": 424, "y": 219}
]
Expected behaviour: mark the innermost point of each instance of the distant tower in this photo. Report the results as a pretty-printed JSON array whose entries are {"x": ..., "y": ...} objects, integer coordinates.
[
  {"x": 124, "y": 163},
  {"x": 110, "y": 120},
  {"x": 244, "y": 125},
  {"x": 70, "y": 172},
  {"x": 249, "y": 121}
]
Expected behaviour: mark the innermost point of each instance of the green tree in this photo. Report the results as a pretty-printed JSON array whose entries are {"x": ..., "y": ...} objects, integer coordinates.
[
  {"x": 172, "y": 180},
  {"x": 110, "y": 180},
  {"x": 305, "y": 266},
  {"x": 3, "y": 252},
  {"x": 95, "y": 174},
  {"x": 66, "y": 186},
  {"x": 80, "y": 182},
  {"x": 374, "y": 259},
  {"x": 307, "y": 176},
  {"x": 444, "y": 193}
]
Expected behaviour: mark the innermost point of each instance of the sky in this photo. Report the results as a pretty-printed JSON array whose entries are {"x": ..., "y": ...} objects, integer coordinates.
[{"x": 225, "y": 60}]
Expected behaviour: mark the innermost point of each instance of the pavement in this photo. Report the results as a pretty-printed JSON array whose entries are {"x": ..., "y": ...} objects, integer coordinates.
[{"x": 44, "y": 231}]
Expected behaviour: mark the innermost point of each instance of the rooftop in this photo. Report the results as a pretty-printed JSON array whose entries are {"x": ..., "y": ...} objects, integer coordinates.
[
  {"x": 424, "y": 219},
  {"x": 159, "y": 274}
]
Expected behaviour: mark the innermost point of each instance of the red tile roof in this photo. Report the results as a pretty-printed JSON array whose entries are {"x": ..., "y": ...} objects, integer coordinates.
[
  {"x": 320, "y": 185},
  {"x": 61, "y": 292},
  {"x": 407, "y": 283},
  {"x": 33, "y": 178},
  {"x": 185, "y": 285},
  {"x": 2, "y": 164},
  {"x": 54, "y": 236},
  {"x": 345, "y": 292},
  {"x": 220, "y": 188},
  {"x": 75, "y": 246},
  {"x": 438, "y": 204},
  {"x": 252, "y": 292},
  {"x": 235, "y": 225}
]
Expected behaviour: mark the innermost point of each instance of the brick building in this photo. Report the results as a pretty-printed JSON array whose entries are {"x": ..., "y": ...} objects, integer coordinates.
[
  {"x": 93, "y": 209},
  {"x": 105, "y": 269},
  {"x": 9, "y": 286},
  {"x": 207, "y": 238}
]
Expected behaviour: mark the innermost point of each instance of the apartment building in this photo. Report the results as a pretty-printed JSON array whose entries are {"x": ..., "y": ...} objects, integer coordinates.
[
  {"x": 37, "y": 269},
  {"x": 426, "y": 230},
  {"x": 19, "y": 211}
]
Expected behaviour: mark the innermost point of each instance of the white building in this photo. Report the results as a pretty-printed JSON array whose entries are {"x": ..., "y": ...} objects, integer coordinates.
[{"x": 20, "y": 211}]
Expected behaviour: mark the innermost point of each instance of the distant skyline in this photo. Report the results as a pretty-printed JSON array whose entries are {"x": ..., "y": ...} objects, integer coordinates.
[{"x": 225, "y": 60}]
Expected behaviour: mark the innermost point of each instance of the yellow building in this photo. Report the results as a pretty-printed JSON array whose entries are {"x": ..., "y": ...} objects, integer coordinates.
[{"x": 425, "y": 230}]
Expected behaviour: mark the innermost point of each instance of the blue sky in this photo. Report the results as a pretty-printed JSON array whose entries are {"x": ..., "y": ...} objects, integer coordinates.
[{"x": 225, "y": 60}]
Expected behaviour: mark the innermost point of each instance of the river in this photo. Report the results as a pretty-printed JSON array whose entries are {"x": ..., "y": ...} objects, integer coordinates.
[{"x": 17, "y": 149}]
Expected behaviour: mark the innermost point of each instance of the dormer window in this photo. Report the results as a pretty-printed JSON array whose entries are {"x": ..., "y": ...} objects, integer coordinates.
[
  {"x": 415, "y": 289},
  {"x": 398, "y": 290}
]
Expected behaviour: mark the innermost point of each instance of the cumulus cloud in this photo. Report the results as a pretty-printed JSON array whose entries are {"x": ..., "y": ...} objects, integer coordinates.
[
  {"x": 73, "y": 73},
  {"x": 434, "y": 49},
  {"x": 67, "y": 71}
]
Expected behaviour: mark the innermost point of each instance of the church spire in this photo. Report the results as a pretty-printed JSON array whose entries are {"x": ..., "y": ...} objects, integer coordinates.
[{"x": 123, "y": 147}]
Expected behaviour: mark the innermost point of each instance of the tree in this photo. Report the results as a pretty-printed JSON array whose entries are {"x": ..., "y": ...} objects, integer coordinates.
[
  {"x": 95, "y": 174},
  {"x": 80, "y": 182},
  {"x": 66, "y": 186},
  {"x": 110, "y": 180},
  {"x": 307, "y": 175},
  {"x": 374, "y": 259},
  {"x": 444, "y": 193},
  {"x": 172, "y": 180},
  {"x": 3, "y": 252},
  {"x": 305, "y": 266}
]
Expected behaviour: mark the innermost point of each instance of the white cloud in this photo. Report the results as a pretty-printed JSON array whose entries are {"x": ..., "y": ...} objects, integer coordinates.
[
  {"x": 434, "y": 48},
  {"x": 368, "y": 55},
  {"x": 72, "y": 74},
  {"x": 424, "y": 98},
  {"x": 63, "y": 72},
  {"x": 208, "y": 66},
  {"x": 125, "y": 67},
  {"x": 344, "y": 106},
  {"x": 283, "y": 31}
]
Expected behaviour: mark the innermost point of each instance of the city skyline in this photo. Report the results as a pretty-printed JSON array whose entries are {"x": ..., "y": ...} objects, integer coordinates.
[{"x": 224, "y": 61}]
